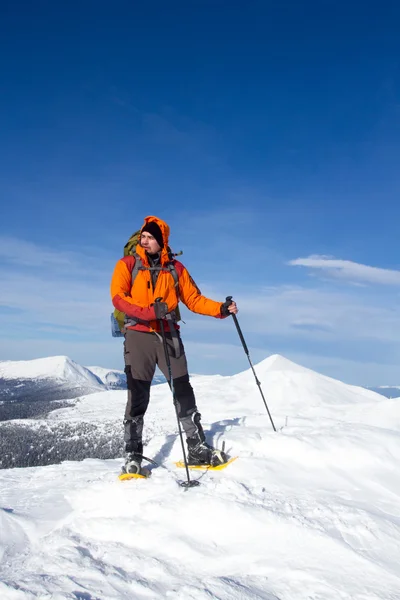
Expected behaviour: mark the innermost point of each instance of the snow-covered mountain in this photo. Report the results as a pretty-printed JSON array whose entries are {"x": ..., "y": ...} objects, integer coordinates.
[
  {"x": 28, "y": 388},
  {"x": 114, "y": 379},
  {"x": 60, "y": 368},
  {"x": 308, "y": 512},
  {"x": 33, "y": 388},
  {"x": 111, "y": 378},
  {"x": 90, "y": 426}
]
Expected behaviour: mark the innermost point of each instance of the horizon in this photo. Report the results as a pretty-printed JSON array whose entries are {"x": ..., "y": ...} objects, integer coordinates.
[
  {"x": 284, "y": 361},
  {"x": 266, "y": 136}
]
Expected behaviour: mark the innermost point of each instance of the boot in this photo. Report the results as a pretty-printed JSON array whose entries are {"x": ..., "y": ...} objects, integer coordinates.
[
  {"x": 133, "y": 457},
  {"x": 133, "y": 463},
  {"x": 201, "y": 453}
]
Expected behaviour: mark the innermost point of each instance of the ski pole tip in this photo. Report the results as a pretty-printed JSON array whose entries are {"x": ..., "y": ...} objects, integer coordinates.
[{"x": 189, "y": 484}]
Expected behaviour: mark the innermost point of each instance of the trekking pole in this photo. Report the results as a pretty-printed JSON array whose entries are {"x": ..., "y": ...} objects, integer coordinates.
[
  {"x": 229, "y": 299},
  {"x": 189, "y": 482}
]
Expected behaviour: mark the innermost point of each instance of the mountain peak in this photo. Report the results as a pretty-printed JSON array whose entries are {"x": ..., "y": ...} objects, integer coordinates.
[
  {"x": 289, "y": 384},
  {"x": 52, "y": 367},
  {"x": 277, "y": 362}
]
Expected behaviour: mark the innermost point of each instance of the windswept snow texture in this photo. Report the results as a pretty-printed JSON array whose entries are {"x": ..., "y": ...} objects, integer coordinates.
[{"x": 308, "y": 513}]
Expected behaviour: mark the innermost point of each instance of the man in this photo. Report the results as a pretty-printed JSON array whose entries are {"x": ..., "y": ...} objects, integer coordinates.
[{"x": 143, "y": 347}]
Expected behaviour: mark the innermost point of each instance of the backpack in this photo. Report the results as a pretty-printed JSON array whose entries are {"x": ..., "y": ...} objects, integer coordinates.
[{"x": 118, "y": 317}]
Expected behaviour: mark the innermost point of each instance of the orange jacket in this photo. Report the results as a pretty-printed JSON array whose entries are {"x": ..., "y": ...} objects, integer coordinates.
[{"x": 136, "y": 300}]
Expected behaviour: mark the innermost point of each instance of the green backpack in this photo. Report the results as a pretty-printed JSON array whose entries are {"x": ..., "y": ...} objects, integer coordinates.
[{"x": 118, "y": 317}]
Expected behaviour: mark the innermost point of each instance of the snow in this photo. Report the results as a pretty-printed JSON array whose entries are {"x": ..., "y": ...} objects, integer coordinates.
[
  {"x": 102, "y": 372},
  {"x": 110, "y": 405},
  {"x": 307, "y": 513},
  {"x": 54, "y": 367},
  {"x": 109, "y": 377},
  {"x": 114, "y": 378}
]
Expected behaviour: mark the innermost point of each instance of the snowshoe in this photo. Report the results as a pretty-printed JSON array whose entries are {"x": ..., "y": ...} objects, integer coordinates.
[
  {"x": 181, "y": 465},
  {"x": 201, "y": 453},
  {"x": 132, "y": 469}
]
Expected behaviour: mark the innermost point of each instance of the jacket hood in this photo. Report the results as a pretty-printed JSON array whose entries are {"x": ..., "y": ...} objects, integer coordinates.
[{"x": 165, "y": 235}]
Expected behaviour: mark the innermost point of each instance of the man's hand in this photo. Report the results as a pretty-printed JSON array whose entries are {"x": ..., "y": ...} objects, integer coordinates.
[
  {"x": 229, "y": 308},
  {"x": 160, "y": 310}
]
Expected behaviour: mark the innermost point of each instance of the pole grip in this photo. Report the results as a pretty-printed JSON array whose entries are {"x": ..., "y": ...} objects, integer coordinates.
[{"x": 228, "y": 299}]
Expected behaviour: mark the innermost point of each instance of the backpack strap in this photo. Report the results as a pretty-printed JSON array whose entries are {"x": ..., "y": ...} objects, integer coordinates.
[
  {"x": 170, "y": 267},
  {"x": 138, "y": 266}
]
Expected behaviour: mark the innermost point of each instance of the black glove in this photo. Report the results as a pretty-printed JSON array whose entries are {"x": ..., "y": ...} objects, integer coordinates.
[
  {"x": 224, "y": 308},
  {"x": 160, "y": 310}
]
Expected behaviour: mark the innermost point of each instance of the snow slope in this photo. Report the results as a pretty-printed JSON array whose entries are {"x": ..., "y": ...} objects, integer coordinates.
[{"x": 308, "y": 513}]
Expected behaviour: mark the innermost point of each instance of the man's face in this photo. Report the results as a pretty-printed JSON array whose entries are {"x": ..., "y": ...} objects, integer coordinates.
[{"x": 149, "y": 243}]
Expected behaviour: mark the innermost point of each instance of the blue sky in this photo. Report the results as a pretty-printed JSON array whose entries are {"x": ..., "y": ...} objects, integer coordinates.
[{"x": 266, "y": 134}]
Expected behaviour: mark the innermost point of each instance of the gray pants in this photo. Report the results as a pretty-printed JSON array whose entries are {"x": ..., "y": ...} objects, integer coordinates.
[{"x": 142, "y": 353}]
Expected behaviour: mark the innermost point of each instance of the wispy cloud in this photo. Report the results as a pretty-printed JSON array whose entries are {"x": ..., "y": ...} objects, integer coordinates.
[
  {"x": 359, "y": 372},
  {"x": 21, "y": 252},
  {"x": 105, "y": 353},
  {"x": 60, "y": 301},
  {"x": 346, "y": 269},
  {"x": 316, "y": 313},
  {"x": 52, "y": 291}
]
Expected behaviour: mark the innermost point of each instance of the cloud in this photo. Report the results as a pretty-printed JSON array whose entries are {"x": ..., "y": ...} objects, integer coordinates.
[
  {"x": 331, "y": 315},
  {"x": 58, "y": 303},
  {"x": 347, "y": 269},
  {"x": 44, "y": 300},
  {"x": 25, "y": 253},
  {"x": 52, "y": 292},
  {"x": 352, "y": 371},
  {"x": 297, "y": 313},
  {"x": 105, "y": 353}
]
